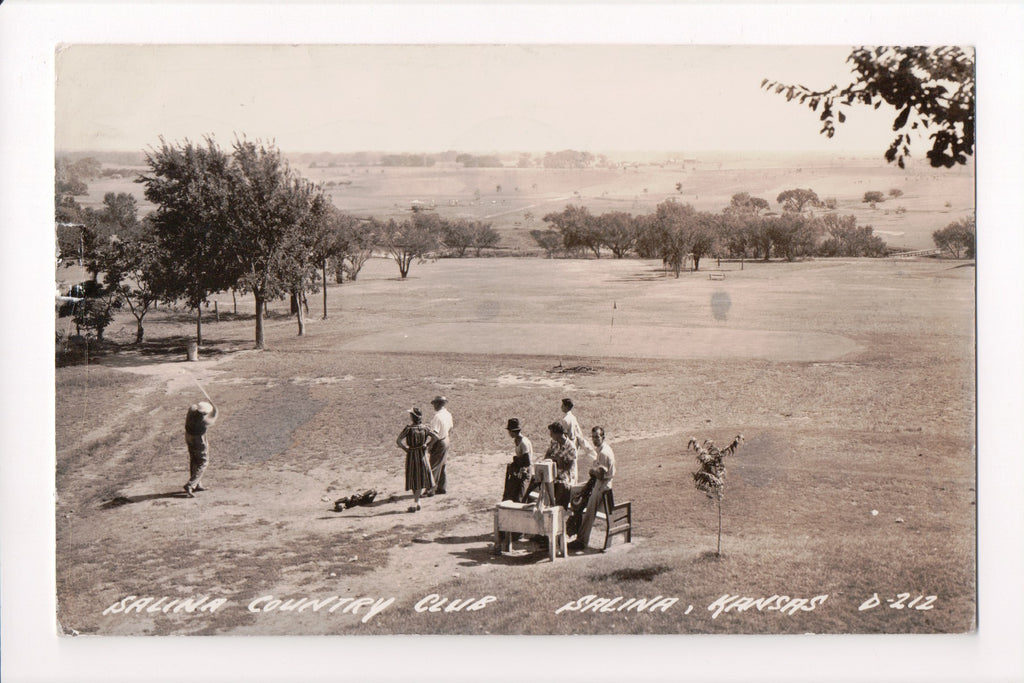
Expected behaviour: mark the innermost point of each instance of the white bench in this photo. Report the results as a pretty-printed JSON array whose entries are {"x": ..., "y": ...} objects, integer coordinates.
[{"x": 716, "y": 275}]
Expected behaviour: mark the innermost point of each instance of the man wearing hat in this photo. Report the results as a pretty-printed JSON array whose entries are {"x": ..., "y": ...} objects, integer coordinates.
[
  {"x": 442, "y": 425},
  {"x": 200, "y": 416},
  {"x": 519, "y": 471}
]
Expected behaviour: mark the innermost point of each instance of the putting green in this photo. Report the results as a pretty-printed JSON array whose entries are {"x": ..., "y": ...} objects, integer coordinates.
[{"x": 606, "y": 341}]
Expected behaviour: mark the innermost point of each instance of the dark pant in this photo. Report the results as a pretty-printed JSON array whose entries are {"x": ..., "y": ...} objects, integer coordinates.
[
  {"x": 517, "y": 482},
  {"x": 197, "y": 460},
  {"x": 438, "y": 457}
]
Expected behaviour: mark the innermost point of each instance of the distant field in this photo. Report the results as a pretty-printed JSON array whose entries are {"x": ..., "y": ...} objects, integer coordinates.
[
  {"x": 857, "y": 477},
  {"x": 708, "y": 185}
]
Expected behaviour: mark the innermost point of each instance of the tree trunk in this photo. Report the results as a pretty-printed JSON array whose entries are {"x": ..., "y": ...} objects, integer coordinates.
[
  {"x": 323, "y": 270},
  {"x": 719, "y": 525},
  {"x": 260, "y": 310},
  {"x": 199, "y": 326},
  {"x": 298, "y": 314},
  {"x": 138, "y": 331},
  {"x": 234, "y": 301}
]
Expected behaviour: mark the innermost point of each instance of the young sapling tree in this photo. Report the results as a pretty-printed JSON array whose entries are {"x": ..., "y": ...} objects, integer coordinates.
[{"x": 710, "y": 477}]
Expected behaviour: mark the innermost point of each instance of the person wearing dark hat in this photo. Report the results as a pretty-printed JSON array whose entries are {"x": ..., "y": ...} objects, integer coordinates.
[
  {"x": 200, "y": 416},
  {"x": 573, "y": 432},
  {"x": 415, "y": 439},
  {"x": 518, "y": 472},
  {"x": 442, "y": 425}
]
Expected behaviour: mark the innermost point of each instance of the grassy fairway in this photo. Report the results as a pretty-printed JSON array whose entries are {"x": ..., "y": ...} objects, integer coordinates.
[{"x": 851, "y": 380}]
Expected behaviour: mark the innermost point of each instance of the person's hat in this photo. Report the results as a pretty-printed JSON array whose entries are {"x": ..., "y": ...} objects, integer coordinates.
[
  {"x": 415, "y": 411},
  {"x": 513, "y": 424},
  {"x": 567, "y": 402},
  {"x": 204, "y": 408},
  {"x": 439, "y": 399}
]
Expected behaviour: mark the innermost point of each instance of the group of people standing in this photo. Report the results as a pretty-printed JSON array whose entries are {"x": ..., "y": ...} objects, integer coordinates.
[
  {"x": 426, "y": 451},
  {"x": 581, "y": 499}
]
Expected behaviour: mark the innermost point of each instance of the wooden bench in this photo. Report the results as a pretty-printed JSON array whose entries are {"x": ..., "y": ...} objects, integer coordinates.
[
  {"x": 717, "y": 275},
  {"x": 618, "y": 519},
  {"x": 527, "y": 518}
]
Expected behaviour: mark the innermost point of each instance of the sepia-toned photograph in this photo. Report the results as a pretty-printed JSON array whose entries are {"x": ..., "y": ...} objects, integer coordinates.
[
  {"x": 378, "y": 328},
  {"x": 507, "y": 339}
]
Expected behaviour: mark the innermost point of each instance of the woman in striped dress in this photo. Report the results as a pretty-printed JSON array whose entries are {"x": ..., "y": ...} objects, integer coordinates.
[{"x": 416, "y": 440}]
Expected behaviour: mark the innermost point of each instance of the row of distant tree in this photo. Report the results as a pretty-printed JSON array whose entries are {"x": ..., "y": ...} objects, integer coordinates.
[{"x": 745, "y": 229}]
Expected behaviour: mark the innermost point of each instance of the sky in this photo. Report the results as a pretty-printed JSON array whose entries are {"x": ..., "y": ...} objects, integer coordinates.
[{"x": 431, "y": 98}]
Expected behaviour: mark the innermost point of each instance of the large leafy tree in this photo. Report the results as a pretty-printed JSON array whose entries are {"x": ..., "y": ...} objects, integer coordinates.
[
  {"x": 796, "y": 200},
  {"x": 120, "y": 211},
  {"x": 792, "y": 234},
  {"x": 306, "y": 249},
  {"x": 931, "y": 89},
  {"x": 548, "y": 240},
  {"x": 354, "y": 240},
  {"x": 845, "y": 238},
  {"x": 484, "y": 237},
  {"x": 618, "y": 231},
  {"x": 669, "y": 233},
  {"x": 957, "y": 238},
  {"x": 457, "y": 236},
  {"x": 706, "y": 236},
  {"x": 743, "y": 203},
  {"x": 742, "y": 228},
  {"x": 136, "y": 273},
  {"x": 410, "y": 239},
  {"x": 190, "y": 185},
  {"x": 277, "y": 221},
  {"x": 578, "y": 228}
]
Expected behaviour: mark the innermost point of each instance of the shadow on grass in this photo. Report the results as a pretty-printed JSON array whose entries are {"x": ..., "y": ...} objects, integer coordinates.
[
  {"x": 479, "y": 538},
  {"x": 477, "y": 555},
  {"x": 644, "y": 276},
  {"x": 128, "y": 500},
  {"x": 186, "y": 317},
  {"x": 633, "y": 574},
  {"x": 162, "y": 350},
  {"x": 710, "y": 556}
]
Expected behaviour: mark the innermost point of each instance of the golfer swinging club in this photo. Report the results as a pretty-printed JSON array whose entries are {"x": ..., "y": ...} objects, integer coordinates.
[{"x": 200, "y": 416}]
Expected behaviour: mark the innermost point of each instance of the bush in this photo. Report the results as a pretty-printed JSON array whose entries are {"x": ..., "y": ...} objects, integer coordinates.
[
  {"x": 957, "y": 238},
  {"x": 94, "y": 314},
  {"x": 873, "y": 197}
]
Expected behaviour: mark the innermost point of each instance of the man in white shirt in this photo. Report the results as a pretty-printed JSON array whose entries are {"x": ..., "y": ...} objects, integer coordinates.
[
  {"x": 442, "y": 425},
  {"x": 601, "y": 475}
]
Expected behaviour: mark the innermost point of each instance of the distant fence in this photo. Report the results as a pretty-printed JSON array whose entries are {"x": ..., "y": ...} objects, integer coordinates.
[{"x": 913, "y": 254}]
